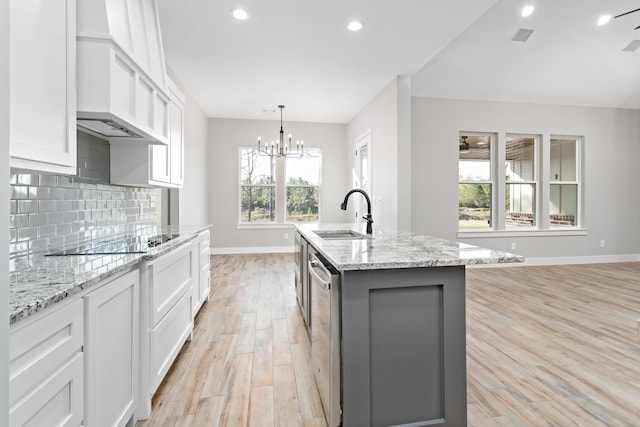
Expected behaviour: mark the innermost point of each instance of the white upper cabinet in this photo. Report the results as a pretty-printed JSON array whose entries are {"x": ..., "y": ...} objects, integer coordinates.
[
  {"x": 42, "y": 67},
  {"x": 154, "y": 165},
  {"x": 122, "y": 89},
  {"x": 168, "y": 161}
]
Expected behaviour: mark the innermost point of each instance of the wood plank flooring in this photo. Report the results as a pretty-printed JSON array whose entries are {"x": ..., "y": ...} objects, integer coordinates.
[{"x": 547, "y": 346}]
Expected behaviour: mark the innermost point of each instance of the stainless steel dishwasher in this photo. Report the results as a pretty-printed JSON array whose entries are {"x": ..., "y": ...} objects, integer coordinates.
[{"x": 325, "y": 335}]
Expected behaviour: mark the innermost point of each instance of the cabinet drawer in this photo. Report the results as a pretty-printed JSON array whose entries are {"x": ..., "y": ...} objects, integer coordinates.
[
  {"x": 167, "y": 339},
  {"x": 205, "y": 262},
  {"x": 171, "y": 277},
  {"x": 38, "y": 348},
  {"x": 56, "y": 401}
]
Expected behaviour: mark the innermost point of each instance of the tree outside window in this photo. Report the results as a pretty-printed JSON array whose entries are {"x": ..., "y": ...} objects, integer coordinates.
[
  {"x": 257, "y": 187},
  {"x": 303, "y": 187},
  {"x": 475, "y": 182}
]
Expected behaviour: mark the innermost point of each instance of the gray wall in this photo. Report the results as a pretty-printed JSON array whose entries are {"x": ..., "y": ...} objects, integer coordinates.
[
  {"x": 4, "y": 210},
  {"x": 612, "y": 150},
  {"x": 388, "y": 117},
  {"x": 227, "y": 135},
  {"x": 51, "y": 211}
]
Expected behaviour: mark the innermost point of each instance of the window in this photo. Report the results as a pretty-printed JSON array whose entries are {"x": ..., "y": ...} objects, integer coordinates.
[
  {"x": 257, "y": 187},
  {"x": 303, "y": 187},
  {"x": 501, "y": 187},
  {"x": 279, "y": 189},
  {"x": 563, "y": 182},
  {"x": 475, "y": 187},
  {"x": 520, "y": 181}
]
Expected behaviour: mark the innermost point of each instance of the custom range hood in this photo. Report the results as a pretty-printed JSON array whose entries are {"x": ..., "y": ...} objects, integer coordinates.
[{"x": 122, "y": 84}]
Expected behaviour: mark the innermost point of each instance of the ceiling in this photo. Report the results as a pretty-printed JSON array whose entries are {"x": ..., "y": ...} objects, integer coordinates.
[{"x": 300, "y": 54}]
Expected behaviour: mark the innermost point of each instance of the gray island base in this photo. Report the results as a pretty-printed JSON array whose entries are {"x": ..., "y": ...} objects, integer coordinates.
[
  {"x": 400, "y": 315},
  {"x": 403, "y": 347}
]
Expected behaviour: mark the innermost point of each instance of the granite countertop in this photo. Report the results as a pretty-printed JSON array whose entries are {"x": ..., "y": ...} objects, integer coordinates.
[
  {"x": 397, "y": 249},
  {"x": 38, "y": 281}
]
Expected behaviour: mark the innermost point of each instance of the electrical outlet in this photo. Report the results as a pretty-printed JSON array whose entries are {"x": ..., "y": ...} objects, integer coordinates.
[
  {"x": 513, "y": 246},
  {"x": 602, "y": 243},
  {"x": 286, "y": 236}
]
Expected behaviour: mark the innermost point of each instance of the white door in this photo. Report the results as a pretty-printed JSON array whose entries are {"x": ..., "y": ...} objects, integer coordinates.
[{"x": 362, "y": 170}]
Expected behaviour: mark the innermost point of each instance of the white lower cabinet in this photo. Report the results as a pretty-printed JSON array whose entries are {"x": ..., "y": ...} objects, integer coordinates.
[
  {"x": 167, "y": 316},
  {"x": 46, "y": 368},
  {"x": 111, "y": 351},
  {"x": 202, "y": 287},
  {"x": 167, "y": 338}
]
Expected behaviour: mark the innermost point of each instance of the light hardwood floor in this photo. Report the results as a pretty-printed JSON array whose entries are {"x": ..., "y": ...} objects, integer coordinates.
[{"x": 547, "y": 346}]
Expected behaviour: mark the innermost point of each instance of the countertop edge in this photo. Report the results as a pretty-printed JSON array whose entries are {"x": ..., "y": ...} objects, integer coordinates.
[
  {"x": 314, "y": 240},
  {"x": 88, "y": 280}
]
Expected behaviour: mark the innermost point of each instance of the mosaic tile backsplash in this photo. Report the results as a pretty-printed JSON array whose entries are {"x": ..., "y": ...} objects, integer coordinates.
[{"x": 54, "y": 211}]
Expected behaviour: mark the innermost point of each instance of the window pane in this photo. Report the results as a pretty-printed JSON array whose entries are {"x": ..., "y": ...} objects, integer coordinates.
[
  {"x": 302, "y": 204},
  {"x": 474, "y": 205},
  {"x": 304, "y": 171},
  {"x": 563, "y": 159},
  {"x": 475, "y": 160},
  {"x": 520, "y": 205},
  {"x": 563, "y": 205},
  {"x": 520, "y": 160},
  {"x": 256, "y": 169},
  {"x": 258, "y": 204}
]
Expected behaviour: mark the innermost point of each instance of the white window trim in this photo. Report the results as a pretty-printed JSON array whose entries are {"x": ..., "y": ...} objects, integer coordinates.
[
  {"x": 543, "y": 183},
  {"x": 281, "y": 195}
]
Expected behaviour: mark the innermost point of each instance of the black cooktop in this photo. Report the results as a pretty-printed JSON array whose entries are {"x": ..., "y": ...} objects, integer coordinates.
[{"x": 122, "y": 245}]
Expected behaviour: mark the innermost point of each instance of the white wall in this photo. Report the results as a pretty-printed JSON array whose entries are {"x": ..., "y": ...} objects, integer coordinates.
[
  {"x": 4, "y": 212},
  {"x": 612, "y": 152},
  {"x": 388, "y": 117},
  {"x": 194, "y": 209},
  {"x": 227, "y": 135}
]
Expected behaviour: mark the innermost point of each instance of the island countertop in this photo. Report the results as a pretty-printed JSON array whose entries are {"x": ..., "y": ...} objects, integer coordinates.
[
  {"x": 389, "y": 249},
  {"x": 38, "y": 281}
]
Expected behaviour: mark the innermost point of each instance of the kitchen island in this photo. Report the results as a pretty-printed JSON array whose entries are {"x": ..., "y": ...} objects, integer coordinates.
[{"x": 397, "y": 325}]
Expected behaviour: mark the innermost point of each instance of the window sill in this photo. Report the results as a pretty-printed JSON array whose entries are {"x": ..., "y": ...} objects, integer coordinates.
[
  {"x": 260, "y": 225},
  {"x": 553, "y": 232},
  {"x": 268, "y": 225}
]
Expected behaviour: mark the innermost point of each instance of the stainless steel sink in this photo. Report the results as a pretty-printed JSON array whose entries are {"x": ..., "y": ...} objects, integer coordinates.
[{"x": 341, "y": 235}]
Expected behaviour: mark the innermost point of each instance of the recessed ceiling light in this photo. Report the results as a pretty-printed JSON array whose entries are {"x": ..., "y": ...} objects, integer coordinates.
[
  {"x": 527, "y": 10},
  {"x": 603, "y": 20},
  {"x": 355, "y": 26},
  {"x": 240, "y": 14}
]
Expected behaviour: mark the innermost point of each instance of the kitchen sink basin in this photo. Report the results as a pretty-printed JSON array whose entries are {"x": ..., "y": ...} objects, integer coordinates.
[{"x": 341, "y": 235}]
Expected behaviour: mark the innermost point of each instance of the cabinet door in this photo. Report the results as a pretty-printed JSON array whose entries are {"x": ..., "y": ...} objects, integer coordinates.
[
  {"x": 172, "y": 275},
  {"x": 112, "y": 342},
  {"x": 42, "y": 70},
  {"x": 160, "y": 167},
  {"x": 57, "y": 401},
  {"x": 168, "y": 337},
  {"x": 45, "y": 368},
  {"x": 176, "y": 137}
]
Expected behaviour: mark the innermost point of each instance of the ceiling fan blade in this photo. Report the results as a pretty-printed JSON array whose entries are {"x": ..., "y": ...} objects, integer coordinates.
[
  {"x": 637, "y": 27},
  {"x": 626, "y": 13}
]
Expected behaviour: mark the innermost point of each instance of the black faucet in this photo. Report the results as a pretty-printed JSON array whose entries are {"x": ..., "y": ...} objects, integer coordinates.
[{"x": 367, "y": 217}]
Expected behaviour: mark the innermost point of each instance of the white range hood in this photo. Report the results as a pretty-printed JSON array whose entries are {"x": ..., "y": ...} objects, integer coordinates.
[{"x": 121, "y": 83}]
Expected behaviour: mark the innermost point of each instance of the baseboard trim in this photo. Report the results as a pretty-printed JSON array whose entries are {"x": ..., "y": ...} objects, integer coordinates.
[
  {"x": 253, "y": 250},
  {"x": 590, "y": 259}
]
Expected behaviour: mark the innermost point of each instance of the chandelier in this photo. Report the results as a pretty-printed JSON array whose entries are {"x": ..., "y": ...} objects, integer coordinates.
[{"x": 281, "y": 148}]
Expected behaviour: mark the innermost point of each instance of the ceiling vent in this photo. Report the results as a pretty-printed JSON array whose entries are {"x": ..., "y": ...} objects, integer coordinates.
[
  {"x": 633, "y": 46},
  {"x": 522, "y": 35}
]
